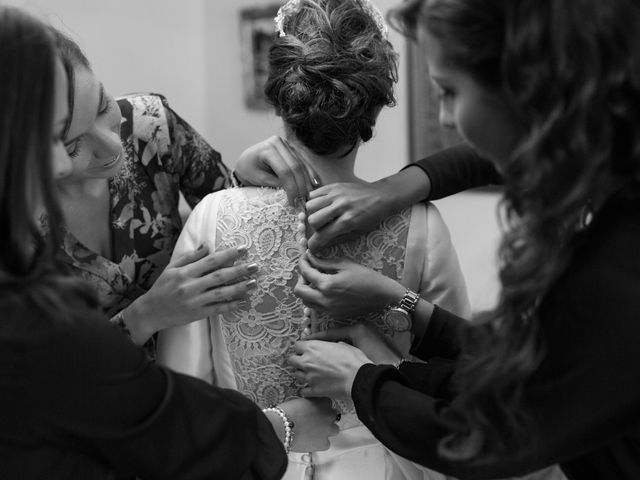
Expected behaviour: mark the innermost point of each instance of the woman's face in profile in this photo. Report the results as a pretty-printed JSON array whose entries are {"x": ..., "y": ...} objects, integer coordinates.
[
  {"x": 93, "y": 139},
  {"x": 481, "y": 116}
]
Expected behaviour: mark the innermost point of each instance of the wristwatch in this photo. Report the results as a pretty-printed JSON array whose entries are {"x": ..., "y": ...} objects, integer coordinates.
[{"x": 398, "y": 317}]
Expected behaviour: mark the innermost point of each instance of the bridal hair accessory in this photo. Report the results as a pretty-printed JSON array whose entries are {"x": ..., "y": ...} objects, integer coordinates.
[{"x": 292, "y": 6}]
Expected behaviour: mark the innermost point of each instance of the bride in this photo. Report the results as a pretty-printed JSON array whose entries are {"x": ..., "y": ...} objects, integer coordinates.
[{"x": 331, "y": 71}]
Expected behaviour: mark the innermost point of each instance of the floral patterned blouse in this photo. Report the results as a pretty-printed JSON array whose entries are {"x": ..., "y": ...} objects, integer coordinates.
[{"x": 164, "y": 156}]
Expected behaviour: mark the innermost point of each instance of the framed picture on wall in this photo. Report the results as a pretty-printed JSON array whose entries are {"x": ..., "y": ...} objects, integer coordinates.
[
  {"x": 426, "y": 135},
  {"x": 256, "y": 36}
]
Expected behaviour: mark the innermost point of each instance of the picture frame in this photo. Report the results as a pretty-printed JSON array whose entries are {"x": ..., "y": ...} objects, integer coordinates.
[{"x": 257, "y": 33}]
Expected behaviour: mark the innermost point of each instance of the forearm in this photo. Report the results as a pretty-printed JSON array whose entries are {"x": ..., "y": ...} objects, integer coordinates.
[
  {"x": 437, "y": 332},
  {"x": 413, "y": 424},
  {"x": 454, "y": 170},
  {"x": 403, "y": 189},
  {"x": 136, "y": 321}
]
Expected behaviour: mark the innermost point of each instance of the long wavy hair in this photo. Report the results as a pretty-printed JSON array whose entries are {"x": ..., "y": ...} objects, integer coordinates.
[
  {"x": 331, "y": 74},
  {"x": 571, "y": 71},
  {"x": 27, "y": 257}
]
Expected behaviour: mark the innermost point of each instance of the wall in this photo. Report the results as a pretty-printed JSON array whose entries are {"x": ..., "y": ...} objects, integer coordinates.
[{"x": 189, "y": 50}]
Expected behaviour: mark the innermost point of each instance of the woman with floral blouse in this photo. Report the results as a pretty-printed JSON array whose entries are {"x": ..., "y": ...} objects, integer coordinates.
[{"x": 132, "y": 157}]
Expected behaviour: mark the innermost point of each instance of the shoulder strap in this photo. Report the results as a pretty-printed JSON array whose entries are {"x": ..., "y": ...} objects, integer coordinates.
[{"x": 416, "y": 248}]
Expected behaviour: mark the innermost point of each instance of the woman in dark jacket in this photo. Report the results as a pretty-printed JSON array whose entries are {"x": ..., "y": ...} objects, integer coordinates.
[{"x": 547, "y": 90}]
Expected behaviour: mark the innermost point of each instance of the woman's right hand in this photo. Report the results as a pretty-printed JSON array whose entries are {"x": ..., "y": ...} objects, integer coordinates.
[
  {"x": 194, "y": 286},
  {"x": 339, "y": 211},
  {"x": 314, "y": 422},
  {"x": 344, "y": 288},
  {"x": 274, "y": 163}
]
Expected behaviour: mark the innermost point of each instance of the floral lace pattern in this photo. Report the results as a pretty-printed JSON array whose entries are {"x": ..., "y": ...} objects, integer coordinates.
[{"x": 260, "y": 337}]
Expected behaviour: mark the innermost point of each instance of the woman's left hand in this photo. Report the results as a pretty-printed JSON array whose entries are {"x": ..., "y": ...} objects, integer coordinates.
[
  {"x": 344, "y": 288},
  {"x": 365, "y": 337},
  {"x": 326, "y": 369}
]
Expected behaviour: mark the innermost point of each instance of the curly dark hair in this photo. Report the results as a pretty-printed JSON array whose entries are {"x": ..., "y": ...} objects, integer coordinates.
[
  {"x": 571, "y": 71},
  {"x": 331, "y": 74}
]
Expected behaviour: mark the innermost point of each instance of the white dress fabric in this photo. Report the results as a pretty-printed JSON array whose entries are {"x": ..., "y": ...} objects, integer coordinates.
[{"x": 247, "y": 349}]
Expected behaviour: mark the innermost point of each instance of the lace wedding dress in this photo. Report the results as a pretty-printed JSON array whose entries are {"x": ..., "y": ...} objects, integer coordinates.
[{"x": 247, "y": 349}]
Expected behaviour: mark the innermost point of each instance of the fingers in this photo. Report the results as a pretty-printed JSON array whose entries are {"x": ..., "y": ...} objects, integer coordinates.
[
  {"x": 308, "y": 272},
  {"x": 332, "y": 234},
  {"x": 225, "y": 293},
  {"x": 343, "y": 334},
  {"x": 216, "y": 260},
  {"x": 306, "y": 177},
  {"x": 191, "y": 257},
  {"x": 318, "y": 202},
  {"x": 299, "y": 348},
  {"x": 226, "y": 276},
  {"x": 323, "y": 212},
  {"x": 290, "y": 169},
  {"x": 326, "y": 265},
  {"x": 310, "y": 296}
]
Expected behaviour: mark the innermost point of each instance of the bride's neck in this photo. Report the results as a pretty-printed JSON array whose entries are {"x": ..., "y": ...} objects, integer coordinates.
[{"x": 329, "y": 168}]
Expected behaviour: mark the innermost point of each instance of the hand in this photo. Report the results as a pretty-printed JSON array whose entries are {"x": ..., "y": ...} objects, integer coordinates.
[
  {"x": 326, "y": 369},
  {"x": 314, "y": 422},
  {"x": 341, "y": 211},
  {"x": 365, "y": 337},
  {"x": 196, "y": 285},
  {"x": 274, "y": 163},
  {"x": 344, "y": 288}
]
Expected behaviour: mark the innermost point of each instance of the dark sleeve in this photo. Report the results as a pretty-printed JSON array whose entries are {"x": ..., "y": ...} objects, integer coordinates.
[
  {"x": 440, "y": 336},
  {"x": 413, "y": 423},
  {"x": 582, "y": 400},
  {"x": 91, "y": 387},
  {"x": 456, "y": 169},
  {"x": 199, "y": 166},
  {"x": 406, "y": 420}
]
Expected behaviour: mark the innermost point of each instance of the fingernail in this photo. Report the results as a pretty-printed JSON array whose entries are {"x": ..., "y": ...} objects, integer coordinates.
[
  {"x": 200, "y": 247},
  {"x": 315, "y": 182},
  {"x": 253, "y": 283},
  {"x": 253, "y": 268},
  {"x": 242, "y": 249}
]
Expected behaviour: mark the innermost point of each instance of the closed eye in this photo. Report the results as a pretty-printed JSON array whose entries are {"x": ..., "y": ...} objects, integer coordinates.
[{"x": 73, "y": 149}]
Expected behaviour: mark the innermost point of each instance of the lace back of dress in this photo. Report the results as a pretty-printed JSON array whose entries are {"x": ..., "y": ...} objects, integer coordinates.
[{"x": 260, "y": 337}]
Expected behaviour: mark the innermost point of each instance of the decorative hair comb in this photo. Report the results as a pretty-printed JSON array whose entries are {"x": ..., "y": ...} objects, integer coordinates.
[{"x": 292, "y": 6}]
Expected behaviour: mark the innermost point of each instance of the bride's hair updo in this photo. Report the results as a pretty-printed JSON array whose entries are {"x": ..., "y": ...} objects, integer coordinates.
[{"x": 330, "y": 73}]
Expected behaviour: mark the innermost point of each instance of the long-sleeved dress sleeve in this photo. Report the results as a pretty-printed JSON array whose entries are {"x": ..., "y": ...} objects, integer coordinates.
[
  {"x": 456, "y": 169},
  {"x": 80, "y": 390}
]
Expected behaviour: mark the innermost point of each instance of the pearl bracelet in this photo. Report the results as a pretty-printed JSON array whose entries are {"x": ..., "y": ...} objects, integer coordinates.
[{"x": 288, "y": 426}]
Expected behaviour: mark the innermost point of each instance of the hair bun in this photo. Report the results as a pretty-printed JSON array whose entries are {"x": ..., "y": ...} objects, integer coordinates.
[{"x": 330, "y": 75}]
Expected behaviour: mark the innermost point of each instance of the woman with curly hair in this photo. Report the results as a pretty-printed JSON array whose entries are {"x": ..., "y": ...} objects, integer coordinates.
[
  {"x": 548, "y": 91},
  {"x": 331, "y": 71}
]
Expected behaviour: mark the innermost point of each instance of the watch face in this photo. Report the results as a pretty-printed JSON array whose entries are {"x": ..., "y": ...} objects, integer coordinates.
[{"x": 398, "y": 320}]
